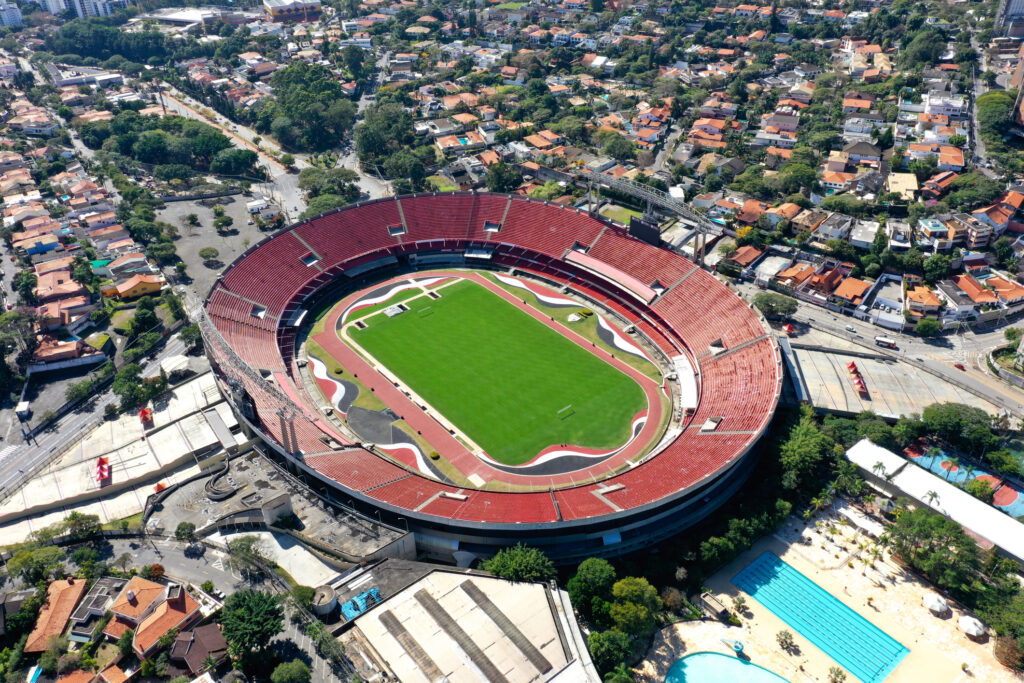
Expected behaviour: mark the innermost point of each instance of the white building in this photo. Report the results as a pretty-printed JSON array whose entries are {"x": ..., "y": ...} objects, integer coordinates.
[
  {"x": 95, "y": 8},
  {"x": 10, "y": 15},
  {"x": 54, "y": 7}
]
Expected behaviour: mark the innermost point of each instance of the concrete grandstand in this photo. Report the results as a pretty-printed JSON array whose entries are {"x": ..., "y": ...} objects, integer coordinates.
[{"x": 725, "y": 380}]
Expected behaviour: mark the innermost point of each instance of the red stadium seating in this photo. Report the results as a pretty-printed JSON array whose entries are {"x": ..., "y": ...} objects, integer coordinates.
[{"x": 741, "y": 386}]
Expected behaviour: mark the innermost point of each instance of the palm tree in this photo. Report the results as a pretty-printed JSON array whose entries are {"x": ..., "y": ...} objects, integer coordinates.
[
  {"x": 931, "y": 497},
  {"x": 932, "y": 453},
  {"x": 620, "y": 674},
  {"x": 954, "y": 462},
  {"x": 878, "y": 468}
]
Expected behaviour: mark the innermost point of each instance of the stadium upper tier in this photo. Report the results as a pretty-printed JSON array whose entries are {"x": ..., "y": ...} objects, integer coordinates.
[{"x": 256, "y": 308}]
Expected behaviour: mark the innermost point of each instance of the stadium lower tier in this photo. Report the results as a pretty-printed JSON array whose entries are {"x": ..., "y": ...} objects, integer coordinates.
[{"x": 256, "y": 313}]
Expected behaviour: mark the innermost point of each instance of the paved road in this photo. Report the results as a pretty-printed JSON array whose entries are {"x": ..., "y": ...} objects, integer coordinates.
[
  {"x": 18, "y": 457},
  {"x": 980, "y": 152},
  {"x": 969, "y": 348},
  {"x": 284, "y": 185},
  {"x": 666, "y": 150}
]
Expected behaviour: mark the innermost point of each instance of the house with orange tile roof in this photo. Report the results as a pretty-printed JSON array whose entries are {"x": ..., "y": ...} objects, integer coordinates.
[
  {"x": 137, "y": 599},
  {"x": 71, "y": 312},
  {"x": 786, "y": 211},
  {"x": 826, "y": 281},
  {"x": 746, "y": 255},
  {"x": 140, "y": 284},
  {"x": 921, "y": 301},
  {"x": 851, "y": 291},
  {"x": 938, "y": 184},
  {"x": 974, "y": 289},
  {"x": 751, "y": 210},
  {"x": 57, "y": 284},
  {"x": 62, "y": 597},
  {"x": 795, "y": 275},
  {"x": 176, "y": 611},
  {"x": 1008, "y": 291},
  {"x": 76, "y": 676},
  {"x": 112, "y": 674},
  {"x": 995, "y": 215}
]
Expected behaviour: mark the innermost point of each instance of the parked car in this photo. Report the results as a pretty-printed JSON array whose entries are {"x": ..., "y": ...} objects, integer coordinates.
[{"x": 960, "y": 366}]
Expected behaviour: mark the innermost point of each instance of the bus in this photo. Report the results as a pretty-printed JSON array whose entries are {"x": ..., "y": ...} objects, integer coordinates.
[{"x": 886, "y": 342}]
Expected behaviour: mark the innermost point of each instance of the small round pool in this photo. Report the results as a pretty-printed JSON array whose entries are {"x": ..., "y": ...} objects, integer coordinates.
[{"x": 714, "y": 667}]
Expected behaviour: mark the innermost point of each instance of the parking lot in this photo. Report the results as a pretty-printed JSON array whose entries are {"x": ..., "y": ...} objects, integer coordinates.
[{"x": 191, "y": 240}]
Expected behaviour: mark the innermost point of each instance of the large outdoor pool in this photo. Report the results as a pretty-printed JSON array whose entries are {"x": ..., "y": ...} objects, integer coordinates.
[
  {"x": 851, "y": 640},
  {"x": 714, "y": 667}
]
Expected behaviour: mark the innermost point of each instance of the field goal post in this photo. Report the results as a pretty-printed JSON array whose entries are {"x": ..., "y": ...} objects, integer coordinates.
[{"x": 566, "y": 412}]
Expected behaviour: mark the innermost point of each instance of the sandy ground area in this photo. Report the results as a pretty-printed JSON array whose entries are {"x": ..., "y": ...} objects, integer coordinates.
[{"x": 846, "y": 562}]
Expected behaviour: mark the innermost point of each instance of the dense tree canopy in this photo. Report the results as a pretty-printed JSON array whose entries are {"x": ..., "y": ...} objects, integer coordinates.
[
  {"x": 386, "y": 129},
  {"x": 310, "y": 111},
  {"x": 98, "y": 38},
  {"x": 521, "y": 563},
  {"x": 964, "y": 427},
  {"x": 502, "y": 177},
  {"x": 251, "y": 619}
]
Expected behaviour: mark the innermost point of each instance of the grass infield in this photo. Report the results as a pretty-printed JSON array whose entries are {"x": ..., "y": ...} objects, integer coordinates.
[{"x": 514, "y": 385}]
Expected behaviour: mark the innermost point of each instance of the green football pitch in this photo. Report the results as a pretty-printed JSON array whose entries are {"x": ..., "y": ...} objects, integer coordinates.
[{"x": 512, "y": 384}]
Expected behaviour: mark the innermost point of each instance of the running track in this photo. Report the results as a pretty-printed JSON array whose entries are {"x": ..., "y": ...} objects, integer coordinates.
[{"x": 453, "y": 449}]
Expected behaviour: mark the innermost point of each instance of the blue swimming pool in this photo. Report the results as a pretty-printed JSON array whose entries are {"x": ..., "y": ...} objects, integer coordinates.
[
  {"x": 714, "y": 667},
  {"x": 854, "y": 642}
]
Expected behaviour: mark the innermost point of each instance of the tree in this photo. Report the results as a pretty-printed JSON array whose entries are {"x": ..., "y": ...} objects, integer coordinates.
[
  {"x": 1003, "y": 250},
  {"x": 958, "y": 140},
  {"x": 152, "y": 572},
  {"x": 186, "y": 531},
  {"x": 207, "y": 586},
  {"x": 208, "y": 254},
  {"x": 303, "y": 595},
  {"x": 608, "y": 649},
  {"x": 836, "y": 675},
  {"x": 935, "y": 546},
  {"x": 251, "y": 619},
  {"x": 321, "y": 204},
  {"x": 234, "y": 161},
  {"x": 936, "y": 267},
  {"x": 928, "y": 327},
  {"x": 775, "y": 305},
  {"x": 980, "y": 489},
  {"x": 502, "y": 177},
  {"x": 294, "y": 671},
  {"x": 521, "y": 563},
  {"x": 594, "y": 578},
  {"x": 128, "y": 386},
  {"x": 190, "y": 335},
  {"x": 964, "y": 427},
  {"x": 803, "y": 451},
  {"x": 785, "y": 640},
  {"x": 621, "y": 674},
  {"x": 222, "y": 223},
  {"x": 619, "y": 147},
  {"x": 124, "y": 643},
  {"x": 124, "y": 560},
  {"x": 247, "y": 555}
]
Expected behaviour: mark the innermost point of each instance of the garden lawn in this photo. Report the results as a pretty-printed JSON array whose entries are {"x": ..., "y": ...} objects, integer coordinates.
[
  {"x": 620, "y": 214},
  {"x": 501, "y": 376},
  {"x": 442, "y": 184}
]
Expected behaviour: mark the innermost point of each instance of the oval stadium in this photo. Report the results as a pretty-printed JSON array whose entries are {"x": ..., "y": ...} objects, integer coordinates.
[{"x": 486, "y": 369}]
